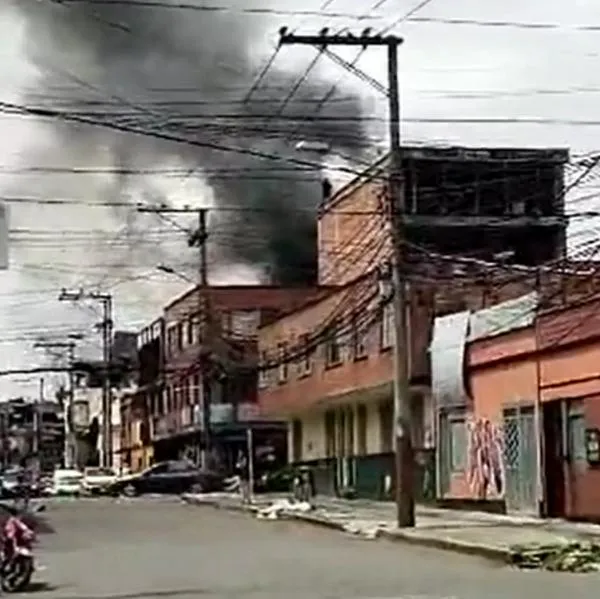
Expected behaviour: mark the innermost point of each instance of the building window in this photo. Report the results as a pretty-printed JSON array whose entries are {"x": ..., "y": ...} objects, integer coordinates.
[
  {"x": 196, "y": 390},
  {"x": 179, "y": 336},
  {"x": 333, "y": 348},
  {"x": 263, "y": 371},
  {"x": 190, "y": 331},
  {"x": 576, "y": 435},
  {"x": 168, "y": 399},
  {"x": 305, "y": 359},
  {"x": 186, "y": 393},
  {"x": 359, "y": 338},
  {"x": 171, "y": 340},
  {"x": 387, "y": 326},
  {"x": 282, "y": 356},
  {"x": 458, "y": 443}
]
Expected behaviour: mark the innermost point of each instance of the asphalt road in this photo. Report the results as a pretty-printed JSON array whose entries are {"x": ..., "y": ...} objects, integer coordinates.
[{"x": 146, "y": 548}]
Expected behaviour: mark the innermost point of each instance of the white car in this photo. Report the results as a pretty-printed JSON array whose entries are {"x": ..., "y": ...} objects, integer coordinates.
[
  {"x": 95, "y": 480},
  {"x": 66, "y": 482}
]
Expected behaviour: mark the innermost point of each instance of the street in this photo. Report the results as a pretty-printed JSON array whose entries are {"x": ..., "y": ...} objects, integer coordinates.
[{"x": 146, "y": 548}]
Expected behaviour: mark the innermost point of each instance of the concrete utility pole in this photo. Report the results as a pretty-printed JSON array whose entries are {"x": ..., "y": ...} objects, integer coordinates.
[
  {"x": 404, "y": 462},
  {"x": 70, "y": 448},
  {"x": 197, "y": 238},
  {"x": 106, "y": 325}
]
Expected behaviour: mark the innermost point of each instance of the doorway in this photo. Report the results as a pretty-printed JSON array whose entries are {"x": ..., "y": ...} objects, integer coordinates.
[
  {"x": 554, "y": 456},
  {"x": 520, "y": 459}
]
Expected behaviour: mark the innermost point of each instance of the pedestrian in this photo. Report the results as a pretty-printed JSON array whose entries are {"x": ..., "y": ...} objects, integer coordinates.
[{"x": 241, "y": 467}]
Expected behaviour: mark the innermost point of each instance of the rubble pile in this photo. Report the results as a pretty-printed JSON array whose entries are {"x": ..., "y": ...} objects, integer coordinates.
[{"x": 576, "y": 557}]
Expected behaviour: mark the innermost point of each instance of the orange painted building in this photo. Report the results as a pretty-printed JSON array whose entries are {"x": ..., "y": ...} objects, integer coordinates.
[{"x": 527, "y": 434}]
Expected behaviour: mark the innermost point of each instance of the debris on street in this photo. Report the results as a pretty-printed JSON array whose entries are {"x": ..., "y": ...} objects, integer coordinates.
[
  {"x": 283, "y": 507},
  {"x": 365, "y": 529},
  {"x": 578, "y": 557}
]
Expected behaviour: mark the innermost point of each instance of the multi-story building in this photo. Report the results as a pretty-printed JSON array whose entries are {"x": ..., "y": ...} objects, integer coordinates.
[
  {"x": 88, "y": 402},
  {"x": 327, "y": 366},
  {"x": 138, "y": 407},
  {"x": 208, "y": 385},
  {"x": 32, "y": 428},
  {"x": 477, "y": 202}
]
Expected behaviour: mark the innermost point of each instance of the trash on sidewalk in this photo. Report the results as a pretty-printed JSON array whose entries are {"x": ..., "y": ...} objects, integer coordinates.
[
  {"x": 282, "y": 507},
  {"x": 561, "y": 557},
  {"x": 365, "y": 529}
]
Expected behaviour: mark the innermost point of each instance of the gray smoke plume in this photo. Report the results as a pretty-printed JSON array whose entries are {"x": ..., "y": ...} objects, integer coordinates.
[{"x": 133, "y": 62}]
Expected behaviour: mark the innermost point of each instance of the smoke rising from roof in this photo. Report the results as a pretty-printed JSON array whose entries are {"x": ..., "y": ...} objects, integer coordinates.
[{"x": 132, "y": 64}]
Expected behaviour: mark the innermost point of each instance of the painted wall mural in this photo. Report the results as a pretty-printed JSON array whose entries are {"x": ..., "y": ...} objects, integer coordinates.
[{"x": 485, "y": 469}]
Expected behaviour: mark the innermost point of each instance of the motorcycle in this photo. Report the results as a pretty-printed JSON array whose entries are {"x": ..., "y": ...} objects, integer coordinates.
[{"x": 17, "y": 562}]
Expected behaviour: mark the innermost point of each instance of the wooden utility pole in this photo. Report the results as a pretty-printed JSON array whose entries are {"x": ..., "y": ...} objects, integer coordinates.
[
  {"x": 197, "y": 238},
  {"x": 106, "y": 325},
  {"x": 404, "y": 458}
]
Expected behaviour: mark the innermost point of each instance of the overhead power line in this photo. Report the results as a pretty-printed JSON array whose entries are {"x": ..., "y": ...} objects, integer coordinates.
[{"x": 216, "y": 8}]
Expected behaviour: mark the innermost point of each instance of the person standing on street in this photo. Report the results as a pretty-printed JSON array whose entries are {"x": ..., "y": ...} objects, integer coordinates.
[{"x": 241, "y": 468}]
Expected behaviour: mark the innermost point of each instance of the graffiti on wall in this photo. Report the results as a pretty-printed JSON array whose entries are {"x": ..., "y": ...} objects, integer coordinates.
[{"x": 485, "y": 458}]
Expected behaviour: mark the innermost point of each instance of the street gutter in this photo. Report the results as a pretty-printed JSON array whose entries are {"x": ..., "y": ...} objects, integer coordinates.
[{"x": 411, "y": 536}]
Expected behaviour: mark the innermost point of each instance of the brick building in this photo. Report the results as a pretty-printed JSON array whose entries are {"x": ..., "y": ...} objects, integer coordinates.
[
  {"x": 327, "y": 366},
  {"x": 469, "y": 202},
  {"x": 209, "y": 369}
]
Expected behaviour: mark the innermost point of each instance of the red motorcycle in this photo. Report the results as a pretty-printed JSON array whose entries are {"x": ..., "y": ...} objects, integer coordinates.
[{"x": 17, "y": 563}]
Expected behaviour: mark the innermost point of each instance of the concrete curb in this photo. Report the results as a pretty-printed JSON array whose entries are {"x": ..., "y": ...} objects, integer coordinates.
[{"x": 496, "y": 554}]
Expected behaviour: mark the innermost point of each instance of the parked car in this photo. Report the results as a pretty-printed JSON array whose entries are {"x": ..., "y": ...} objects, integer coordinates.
[
  {"x": 172, "y": 477},
  {"x": 12, "y": 481},
  {"x": 96, "y": 480},
  {"x": 277, "y": 481},
  {"x": 66, "y": 482}
]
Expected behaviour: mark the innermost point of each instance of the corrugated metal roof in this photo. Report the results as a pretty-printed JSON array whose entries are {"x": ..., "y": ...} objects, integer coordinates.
[{"x": 504, "y": 317}]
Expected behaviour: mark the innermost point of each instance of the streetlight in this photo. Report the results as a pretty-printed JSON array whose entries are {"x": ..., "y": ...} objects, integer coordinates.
[
  {"x": 316, "y": 147},
  {"x": 171, "y": 271}
]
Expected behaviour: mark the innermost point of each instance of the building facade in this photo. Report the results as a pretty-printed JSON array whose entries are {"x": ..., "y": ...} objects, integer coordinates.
[
  {"x": 327, "y": 367},
  {"x": 470, "y": 202},
  {"x": 526, "y": 434},
  {"x": 209, "y": 396},
  {"x": 30, "y": 428},
  {"x": 140, "y": 408}
]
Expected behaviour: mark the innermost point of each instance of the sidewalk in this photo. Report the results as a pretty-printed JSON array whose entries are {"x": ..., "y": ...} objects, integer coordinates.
[{"x": 519, "y": 540}]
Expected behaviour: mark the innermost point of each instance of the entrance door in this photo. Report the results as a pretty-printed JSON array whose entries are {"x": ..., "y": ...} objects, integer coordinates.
[
  {"x": 554, "y": 452},
  {"x": 520, "y": 459}
]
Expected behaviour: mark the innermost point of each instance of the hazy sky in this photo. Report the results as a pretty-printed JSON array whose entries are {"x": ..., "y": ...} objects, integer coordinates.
[{"x": 449, "y": 70}]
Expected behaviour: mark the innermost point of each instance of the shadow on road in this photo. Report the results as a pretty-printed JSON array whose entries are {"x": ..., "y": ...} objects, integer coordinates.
[
  {"x": 151, "y": 594},
  {"x": 40, "y": 587}
]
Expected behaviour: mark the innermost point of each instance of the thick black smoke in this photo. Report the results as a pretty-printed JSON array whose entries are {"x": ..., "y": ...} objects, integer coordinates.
[{"x": 140, "y": 58}]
